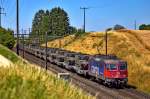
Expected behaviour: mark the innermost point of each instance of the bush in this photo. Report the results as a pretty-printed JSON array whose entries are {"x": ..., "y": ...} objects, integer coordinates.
[
  {"x": 144, "y": 27},
  {"x": 118, "y": 27},
  {"x": 6, "y": 38},
  {"x": 79, "y": 32}
]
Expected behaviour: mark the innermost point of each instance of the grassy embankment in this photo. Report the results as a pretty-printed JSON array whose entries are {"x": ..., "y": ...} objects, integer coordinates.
[
  {"x": 129, "y": 45},
  {"x": 26, "y": 81}
]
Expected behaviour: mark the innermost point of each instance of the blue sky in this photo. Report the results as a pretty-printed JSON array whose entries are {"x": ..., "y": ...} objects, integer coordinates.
[{"x": 101, "y": 15}]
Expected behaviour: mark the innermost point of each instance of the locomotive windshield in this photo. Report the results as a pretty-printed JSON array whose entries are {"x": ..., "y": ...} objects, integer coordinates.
[
  {"x": 123, "y": 67},
  {"x": 113, "y": 67}
]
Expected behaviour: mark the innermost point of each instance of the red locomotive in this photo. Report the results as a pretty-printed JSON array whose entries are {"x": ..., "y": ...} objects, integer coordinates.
[{"x": 108, "y": 69}]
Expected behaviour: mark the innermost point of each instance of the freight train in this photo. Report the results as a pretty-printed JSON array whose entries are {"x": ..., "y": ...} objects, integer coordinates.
[{"x": 108, "y": 69}]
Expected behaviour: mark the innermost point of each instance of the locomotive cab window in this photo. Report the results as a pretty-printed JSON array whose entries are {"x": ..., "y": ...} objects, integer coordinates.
[
  {"x": 123, "y": 67},
  {"x": 113, "y": 67}
]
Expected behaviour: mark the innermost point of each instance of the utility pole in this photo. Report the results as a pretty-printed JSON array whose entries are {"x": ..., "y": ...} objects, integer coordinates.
[
  {"x": 135, "y": 25},
  {"x": 22, "y": 30},
  {"x": 46, "y": 51},
  {"x": 84, "y": 10},
  {"x": 17, "y": 24},
  {"x": 24, "y": 34},
  {"x": 1, "y": 13},
  {"x": 29, "y": 30},
  {"x": 106, "y": 39},
  {"x": 23, "y": 43}
]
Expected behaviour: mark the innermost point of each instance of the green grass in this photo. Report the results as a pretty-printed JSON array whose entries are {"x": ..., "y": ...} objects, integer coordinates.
[
  {"x": 26, "y": 81},
  {"x": 8, "y": 54}
]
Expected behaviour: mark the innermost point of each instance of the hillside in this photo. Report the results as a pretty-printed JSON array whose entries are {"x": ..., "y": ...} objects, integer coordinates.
[
  {"x": 23, "y": 80},
  {"x": 130, "y": 45}
]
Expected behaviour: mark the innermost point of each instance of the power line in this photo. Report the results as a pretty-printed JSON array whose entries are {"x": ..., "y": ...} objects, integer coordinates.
[
  {"x": 11, "y": 16},
  {"x": 84, "y": 11},
  {"x": 2, "y": 2}
]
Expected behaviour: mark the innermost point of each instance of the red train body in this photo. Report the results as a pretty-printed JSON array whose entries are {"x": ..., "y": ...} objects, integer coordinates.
[{"x": 110, "y": 70}]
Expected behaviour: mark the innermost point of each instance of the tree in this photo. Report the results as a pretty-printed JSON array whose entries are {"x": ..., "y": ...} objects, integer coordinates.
[
  {"x": 37, "y": 21},
  {"x": 7, "y": 38},
  {"x": 72, "y": 30},
  {"x": 118, "y": 27},
  {"x": 79, "y": 32},
  {"x": 45, "y": 23},
  {"x": 144, "y": 27},
  {"x": 55, "y": 22},
  {"x": 148, "y": 27},
  {"x": 109, "y": 29},
  {"x": 59, "y": 21}
]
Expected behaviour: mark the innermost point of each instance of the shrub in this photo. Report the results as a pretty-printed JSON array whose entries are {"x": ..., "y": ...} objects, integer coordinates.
[
  {"x": 79, "y": 33},
  {"x": 6, "y": 38},
  {"x": 118, "y": 27},
  {"x": 144, "y": 27}
]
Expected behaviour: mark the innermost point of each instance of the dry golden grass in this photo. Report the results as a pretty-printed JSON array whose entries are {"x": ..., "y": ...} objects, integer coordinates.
[
  {"x": 130, "y": 45},
  {"x": 142, "y": 35}
]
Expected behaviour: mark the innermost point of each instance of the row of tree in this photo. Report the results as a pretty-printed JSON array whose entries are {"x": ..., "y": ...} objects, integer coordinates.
[
  {"x": 55, "y": 22},
  {"x": 144, "y": 27},
  {"x": 6, "y": 38}
]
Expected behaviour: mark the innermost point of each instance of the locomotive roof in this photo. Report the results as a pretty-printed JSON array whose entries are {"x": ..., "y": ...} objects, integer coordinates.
[
  {"x": 113, "y": 61},
  {"x": 107, "y": 58},
  {"x": 110, "y": 56}
]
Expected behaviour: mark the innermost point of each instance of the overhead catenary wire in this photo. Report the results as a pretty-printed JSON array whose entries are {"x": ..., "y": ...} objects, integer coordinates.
[
  {"x": 9, "y": 8},
  {"x": 1, "y": 13}
]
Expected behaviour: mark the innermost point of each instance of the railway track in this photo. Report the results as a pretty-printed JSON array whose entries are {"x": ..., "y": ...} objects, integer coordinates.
[{"x": 94, "y": 88}]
